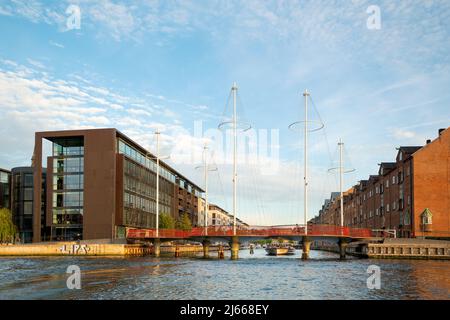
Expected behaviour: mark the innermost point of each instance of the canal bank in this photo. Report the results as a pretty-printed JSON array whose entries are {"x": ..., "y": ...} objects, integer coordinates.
[
  {"x": 89, "y": 248},
  {"x": 392, "y": 249}
]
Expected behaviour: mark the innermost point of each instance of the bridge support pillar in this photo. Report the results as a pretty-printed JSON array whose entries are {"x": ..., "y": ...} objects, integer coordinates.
[
  {"x": 306, "y": 246},
  {"x": 342, "y": 248},
  {"x": 234, "y": 245},
  {"x": 156, "y": 247},
  {"x": 206, "y": 244}
]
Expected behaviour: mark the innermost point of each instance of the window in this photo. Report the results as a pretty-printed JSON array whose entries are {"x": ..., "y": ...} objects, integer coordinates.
[
  {"x": 400, "y": 177},
  {"x": 28, "y": 180},
  {"x": 387, "y": 207},
  {"x": 28, "y": 194},
  {"x": 393, "y": 179},
  {"x": 28, "y": 208},
  {"x": 387, "y": 183}
]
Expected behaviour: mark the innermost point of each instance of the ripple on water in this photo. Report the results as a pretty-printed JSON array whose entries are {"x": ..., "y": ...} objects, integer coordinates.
[{"x": 252, "y": 277}]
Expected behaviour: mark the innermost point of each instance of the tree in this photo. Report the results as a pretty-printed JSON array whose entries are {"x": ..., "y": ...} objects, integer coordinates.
[
  {"x": 7, "y": 228},
  {"x": 184, "y": 222},
  {"x": 166, "y": 221}
]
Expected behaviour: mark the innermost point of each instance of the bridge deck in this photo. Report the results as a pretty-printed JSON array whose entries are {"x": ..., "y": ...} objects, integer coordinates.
[{"x": 255, "y": 231}]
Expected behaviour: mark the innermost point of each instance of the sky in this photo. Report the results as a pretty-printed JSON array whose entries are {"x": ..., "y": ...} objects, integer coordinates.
[{"x": 169, "y": 65}]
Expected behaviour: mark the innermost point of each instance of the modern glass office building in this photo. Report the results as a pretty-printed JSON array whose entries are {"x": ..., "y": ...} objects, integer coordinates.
[
  {"x": 102, "y": 183},
  {"x": 22, "y": 199},
  {"x": 5, "y": 185}
]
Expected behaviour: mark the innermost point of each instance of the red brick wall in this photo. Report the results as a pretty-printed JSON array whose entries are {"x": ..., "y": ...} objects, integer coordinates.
[{"x": 431, "y": 178}]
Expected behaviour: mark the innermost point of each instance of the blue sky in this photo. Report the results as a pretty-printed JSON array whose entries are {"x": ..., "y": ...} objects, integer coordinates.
[{"x": 143, "y": 65}]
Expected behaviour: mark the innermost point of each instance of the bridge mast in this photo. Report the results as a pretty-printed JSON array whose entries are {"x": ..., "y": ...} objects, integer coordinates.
[
  {"x": 306, "y": 94},
  {"x": 341, "y": 179},
  {"x": 234, "y": 89},
  {"x": 157, "y": 133}
]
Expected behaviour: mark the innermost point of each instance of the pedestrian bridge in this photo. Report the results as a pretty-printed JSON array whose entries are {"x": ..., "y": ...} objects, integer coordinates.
[{"x": 301, "y": 233}]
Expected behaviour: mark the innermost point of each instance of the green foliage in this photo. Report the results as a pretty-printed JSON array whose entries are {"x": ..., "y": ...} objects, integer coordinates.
[
  {"x": 166, "y": 221},
  {"x": 7, "y": 228},
  {"x": 184, "y": 222}
]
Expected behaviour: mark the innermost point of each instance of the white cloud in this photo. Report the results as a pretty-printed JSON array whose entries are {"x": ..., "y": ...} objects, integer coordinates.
[{"x": 56, "y": 44}]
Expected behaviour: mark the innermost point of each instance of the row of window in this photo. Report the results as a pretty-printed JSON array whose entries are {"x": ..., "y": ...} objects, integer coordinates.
[
  {"x": 4, "y": 177},
  {"x": 68, "y": 165},
  {"x": 59, "y": 150},
  {"x": 144, "y": 204},
  {"x": 68, "y": 182},
  {"x": 67, "y": 199},
  {"x": 150, "y": 163},
  {"x": 144, "y": 160},
  {"x": 139, "y": 219}
]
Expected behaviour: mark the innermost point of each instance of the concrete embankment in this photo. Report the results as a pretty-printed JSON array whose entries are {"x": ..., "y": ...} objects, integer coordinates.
[
  {"x": 393, "y": 249},
  {"x": 90, "y": 248}
]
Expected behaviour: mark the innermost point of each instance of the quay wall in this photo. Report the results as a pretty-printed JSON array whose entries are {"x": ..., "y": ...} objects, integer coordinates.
[
  {"x": 93, "y": 249},
  {"x": 433, "y": 250}
]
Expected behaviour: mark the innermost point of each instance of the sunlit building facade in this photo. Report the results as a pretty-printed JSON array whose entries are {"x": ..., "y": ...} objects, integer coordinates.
[{"x": 102, "y": 183}]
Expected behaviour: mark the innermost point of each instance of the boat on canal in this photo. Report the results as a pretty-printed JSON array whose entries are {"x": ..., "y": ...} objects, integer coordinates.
[{"x": 278, "y": 250}]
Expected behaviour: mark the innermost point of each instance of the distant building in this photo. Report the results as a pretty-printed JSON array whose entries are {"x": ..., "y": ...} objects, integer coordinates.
[
  {"x": 22, "y": 199},
  {"x": 409, "y": 195},
  {"x": 220, "y": 217},
  {"x": 5, "y": 186},
  {"x": 100, "y": 182}
]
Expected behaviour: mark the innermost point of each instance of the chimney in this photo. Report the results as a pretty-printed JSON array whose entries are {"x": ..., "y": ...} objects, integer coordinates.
[
  {"x": 440, "y": 131},
  {"x": 428, "y": 141}
]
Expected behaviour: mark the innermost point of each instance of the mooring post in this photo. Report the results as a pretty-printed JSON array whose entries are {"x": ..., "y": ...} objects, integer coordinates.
[
  {"x": 206, "y": 244},
  {"x": 156, "y": 247},
  {"x": 221, "y": 254},
  {"x": 234, "y": 245},
  {"x": 177, "y": 251},
  {"x": 306, "y": 246}
]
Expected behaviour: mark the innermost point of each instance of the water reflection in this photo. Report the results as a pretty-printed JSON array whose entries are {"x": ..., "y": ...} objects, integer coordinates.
[{"x": 256, "y": 276}]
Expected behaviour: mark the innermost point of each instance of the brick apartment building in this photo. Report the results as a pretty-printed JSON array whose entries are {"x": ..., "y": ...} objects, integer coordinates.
[
  {"x": 410, "y": 195},
  {"x": 100, "y": 182}
]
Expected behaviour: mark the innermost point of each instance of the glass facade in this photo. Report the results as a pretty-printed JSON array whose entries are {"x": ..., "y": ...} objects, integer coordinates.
[
  {"x": 143, "y": 160},
  {"x": 68, "y": 186},
  {"x": 4, "y": 189},
  {"x": 140, "y": 195},
  {"x": 140, "y": 190},
  {"x": 22, "y": 205}
]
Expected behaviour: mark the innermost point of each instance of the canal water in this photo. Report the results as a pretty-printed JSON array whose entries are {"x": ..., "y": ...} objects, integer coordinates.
[{"x": 255, "y": 276}]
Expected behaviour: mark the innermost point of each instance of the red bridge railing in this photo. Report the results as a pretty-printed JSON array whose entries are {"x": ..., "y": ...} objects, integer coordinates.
[{"x": 261, "y": 231}]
